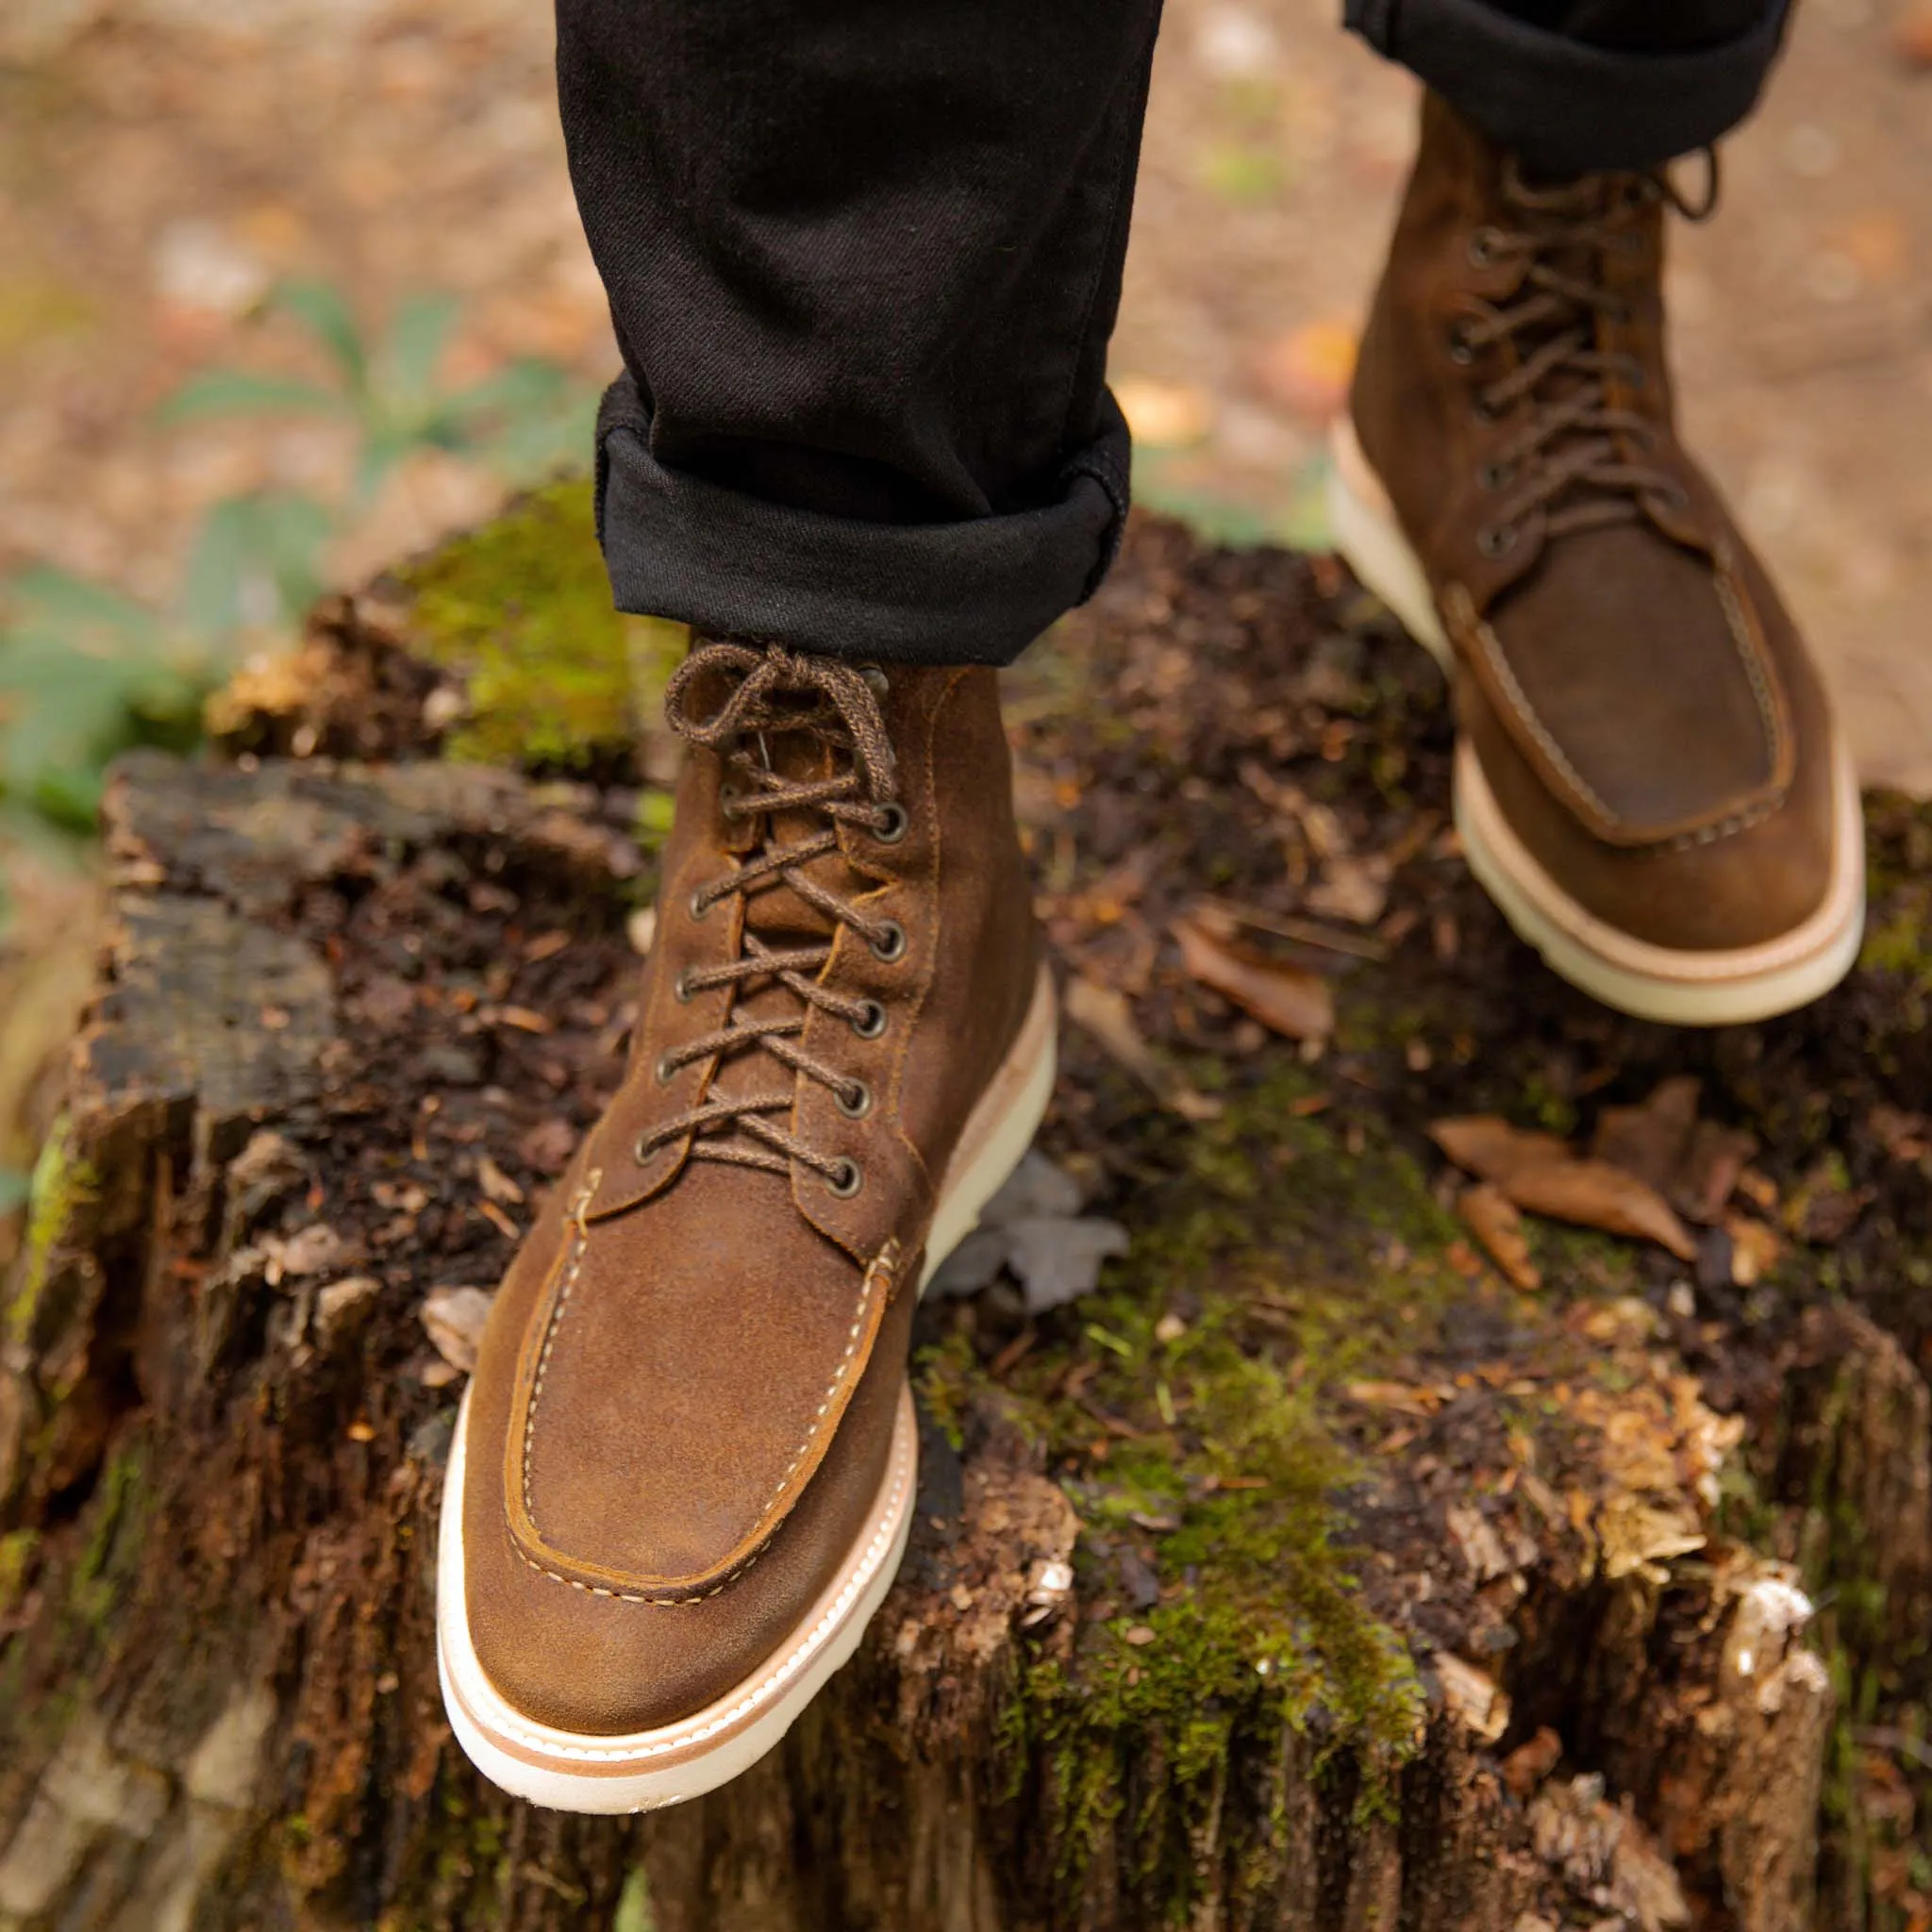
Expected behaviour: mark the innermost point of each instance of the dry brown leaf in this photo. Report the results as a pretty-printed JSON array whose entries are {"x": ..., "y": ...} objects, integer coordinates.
[
  {"x": 1290, "y": 1000},
  {"x": 1486, "y": 1145},
  {"x": 1397, "y": 1396},
  {"x": 1593, "y": 1194},
  {"x": 1493, "y": 1218},
  {"x": 1652, "y": 1140},
  {"x": 1102, "y": 1014},
  {"x": 496, "y": 1184}
]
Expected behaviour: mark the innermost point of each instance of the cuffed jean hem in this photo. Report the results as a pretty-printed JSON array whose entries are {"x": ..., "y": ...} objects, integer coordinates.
[
  {"x": 977, "y": 592},
  {"x": 1563, "y": 106}
]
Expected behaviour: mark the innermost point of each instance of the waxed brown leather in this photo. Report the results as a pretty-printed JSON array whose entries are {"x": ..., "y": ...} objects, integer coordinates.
[
  {"x": 1643, "y": 708},
  {"x": 686, "y": 1393}
]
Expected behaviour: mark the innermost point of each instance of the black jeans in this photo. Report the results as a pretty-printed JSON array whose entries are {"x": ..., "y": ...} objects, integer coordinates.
[{"x": 864, "y": 257}]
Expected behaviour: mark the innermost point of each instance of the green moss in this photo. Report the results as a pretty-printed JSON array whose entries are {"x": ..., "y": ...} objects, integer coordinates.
[
  {"x": 520, "y": 610},
  {"x": 16, "y": 1558},
  {"x": 1291, "y": 1265},
  {"x": 118, "y": 1519},
  {"x": 62, "y": 1185}
]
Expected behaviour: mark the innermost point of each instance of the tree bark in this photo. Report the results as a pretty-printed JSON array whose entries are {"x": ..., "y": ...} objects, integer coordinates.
[{"x": 1307, "y": 1575}]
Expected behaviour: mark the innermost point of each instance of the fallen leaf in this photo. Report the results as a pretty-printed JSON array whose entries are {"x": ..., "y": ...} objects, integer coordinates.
[
  {"x": 453, "y": 1318},
  {"x": 1651, "y": 1141},
  {"x": 1493, "y": 1219},
  {"x": 1486, "y": 1145},
  {"x": 1638, "y": 1537},
  {"x": 1714, "y": 1170},
  {"x": 1593, "y": 1194},
  {"x": 1037, "y": 1186},
  {"x": 1141, "y": 1634},
  {"x": 1352, "y": 889},
  {"x": 1397, "y": 1396},
  {"x": 1290, "y": 1000},
  {"x": 496, "y": 1184},
  {"x": 1058, "y": 1261},
  {"x": 1104, "y": 1015},
  {"x": 310, "y": 1252}
]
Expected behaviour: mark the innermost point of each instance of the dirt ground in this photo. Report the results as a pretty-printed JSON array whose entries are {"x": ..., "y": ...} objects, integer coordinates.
[{"x": 161, "y": 160}]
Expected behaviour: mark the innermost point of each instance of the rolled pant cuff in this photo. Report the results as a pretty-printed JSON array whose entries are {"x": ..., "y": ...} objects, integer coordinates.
[
  {"x": 1565, "y": 106},
  {"x": 975, "y": 592}
]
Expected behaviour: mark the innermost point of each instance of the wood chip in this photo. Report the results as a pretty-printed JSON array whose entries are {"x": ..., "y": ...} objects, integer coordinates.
[
  {"x": 1493, "y": 1219},
  {"x": 1289, "y": 1000}
]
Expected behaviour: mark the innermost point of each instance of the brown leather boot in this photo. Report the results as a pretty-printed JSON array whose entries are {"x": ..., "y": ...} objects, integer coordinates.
[
  {"x": 682, "y": 1479},
  {"x": 1648, "y": 780}
]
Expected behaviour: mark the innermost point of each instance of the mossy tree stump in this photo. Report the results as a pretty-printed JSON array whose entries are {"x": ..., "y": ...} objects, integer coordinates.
[{"x": 1399, "y": 1598}]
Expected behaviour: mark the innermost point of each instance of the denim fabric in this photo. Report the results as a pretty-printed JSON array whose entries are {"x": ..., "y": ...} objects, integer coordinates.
[{"x": 864, "y": 257}]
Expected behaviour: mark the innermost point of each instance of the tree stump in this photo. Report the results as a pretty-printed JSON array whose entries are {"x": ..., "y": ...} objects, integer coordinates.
[{"x": 1314, "y": 1571}]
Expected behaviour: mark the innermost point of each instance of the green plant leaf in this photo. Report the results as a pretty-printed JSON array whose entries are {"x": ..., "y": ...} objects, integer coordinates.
[
  {"x": 417, "y": 338},
  {"x": 48, "y": 599},
  {"x": 256, "y": 563},
  {"x": 244, "y": 392},
  {"x": 327, "y": 318}
]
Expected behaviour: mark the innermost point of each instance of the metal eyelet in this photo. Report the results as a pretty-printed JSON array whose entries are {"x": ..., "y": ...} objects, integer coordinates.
[
  {"x": 642, "y": 1152},
  {"x": 1493, "y": 475},
  {"x": 1483, "y": 247},
  {"x": 1483, "y": 410},
  {"x": 1495, "y": 539},
  {"x": 876, "y": 679},
  {"x": 855, "y": 1102},
  {"x": 1461, "y": 351},
  {"x": 1674, "y": 496},
  {"x": 895, "y": 822},
  {"x": 844, "y": 1181},
  {"x": 666, "y": 1071},
  {"x": 699, "y": 904},
  {"x": 889, "y": 946},
  {"x": 872, "y": 1021},
  {"x": 681, "y": 988}
]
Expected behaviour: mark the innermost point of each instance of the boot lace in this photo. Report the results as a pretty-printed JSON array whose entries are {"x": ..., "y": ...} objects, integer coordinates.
[
  {"x": 771, "y": 693},
  {"x": 1578, "y": 455}
]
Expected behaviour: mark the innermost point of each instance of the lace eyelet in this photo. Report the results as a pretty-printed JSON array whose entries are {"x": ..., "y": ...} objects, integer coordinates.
[
  {"x": 681, "y": 988},
  {"x": 844, "y": 1181},
  {"x": 1461, "y": 351},
  {"x": 1484, "y": 247},
  {"x": 642, "y": 1151},
  {"x": 699, "y": 904},
  {"x": 854, "y": 1102},
  {"x": 890, "y": 947},
  {"x": 872, "y": 1021},
  {"x": 1674, "y": 496},
  {"x": 665, "y": 1071},
  {"x": 1493, "y": 475},
  {"x": 1484, "y": 411},
  {"x": 875, "y": 679},
  {"x": 895, "y": 822},
  {"x": 1496, "y": 540}
]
